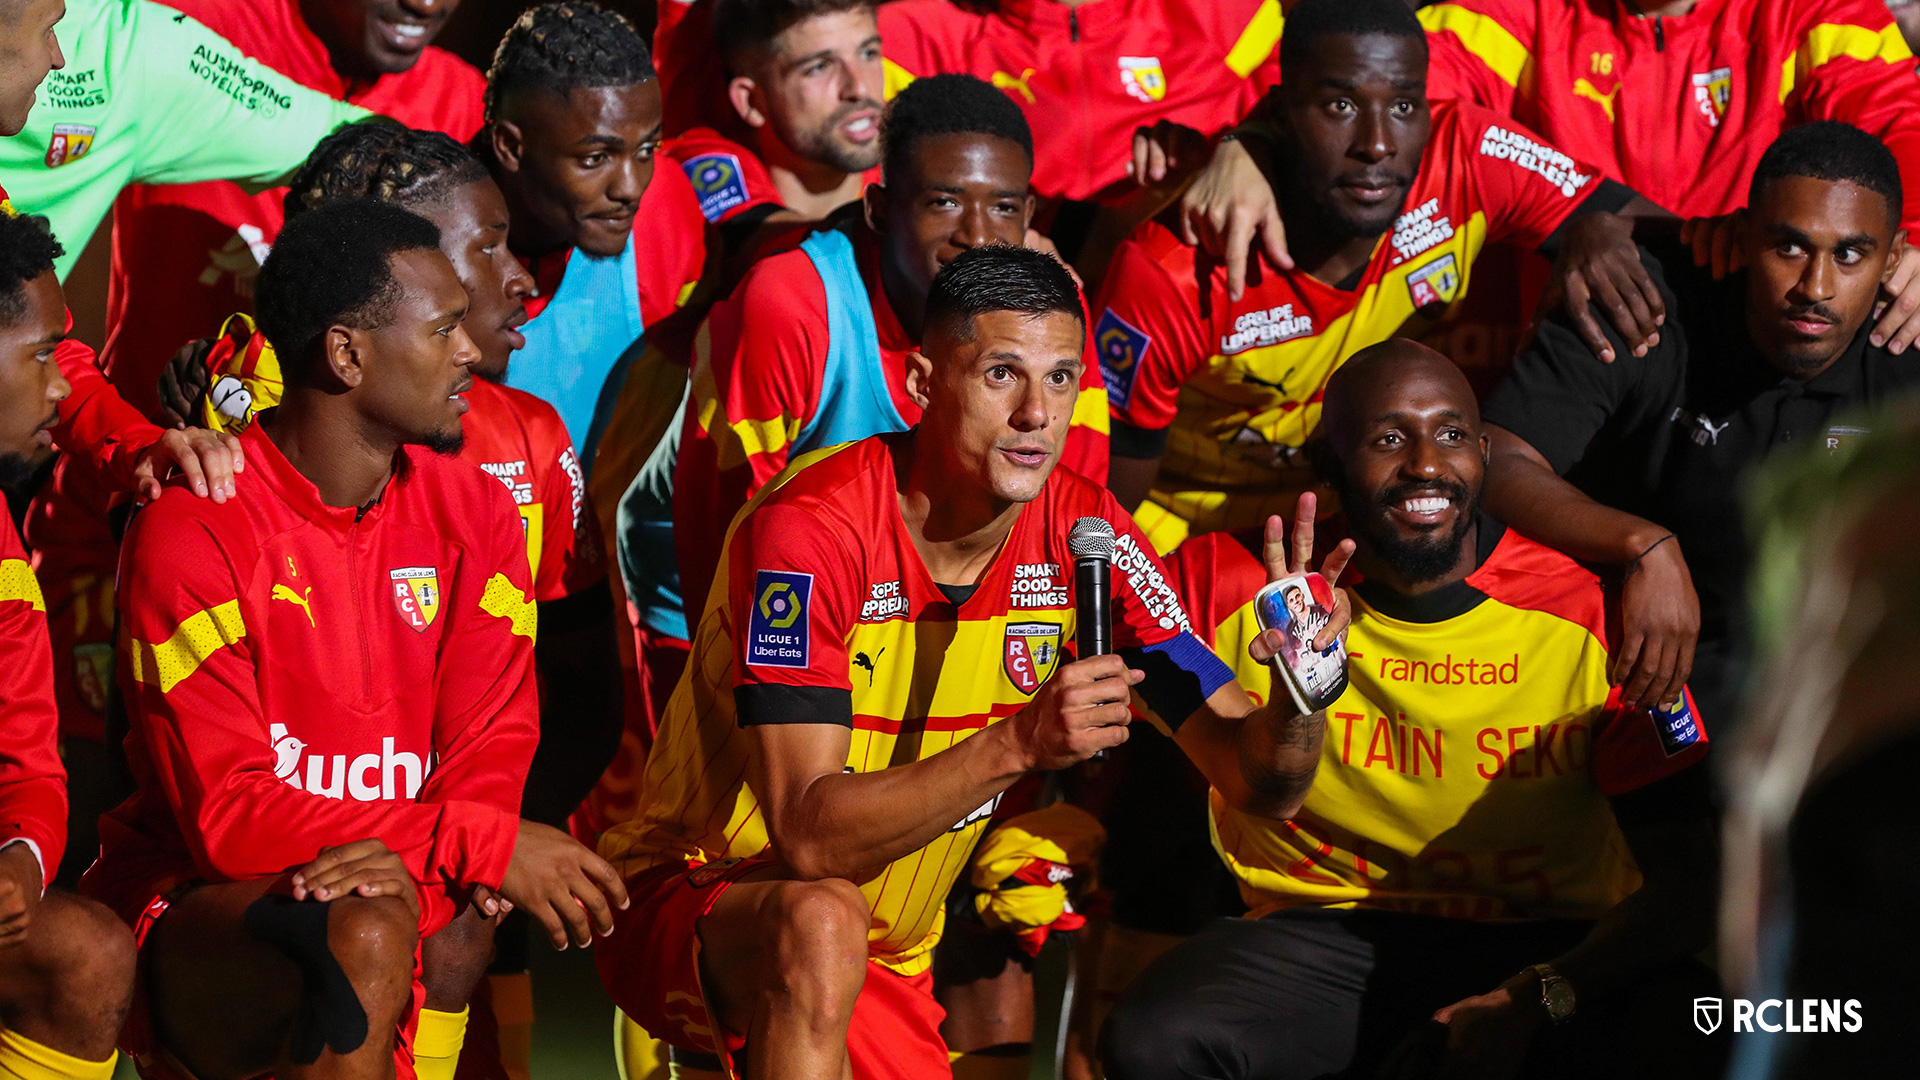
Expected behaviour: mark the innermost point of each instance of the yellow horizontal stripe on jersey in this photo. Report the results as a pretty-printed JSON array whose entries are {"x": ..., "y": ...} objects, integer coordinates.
[
  {"x": 1258, "y": 41},
  {"x": 18, "y": 583},
  {"x": 1483, "y": 36},
  {"x": 1831, "y": 41},
  {"x": 503, "y": 599},
  {"x": 752, "y": 438},
  {"x": 1090, "y": 411},
  {"x": 1235, "y": 395},
  {"x": 942, "y": 671},
  {"x": 895, "y": 78},
  {"x": 197, "y": 637}
]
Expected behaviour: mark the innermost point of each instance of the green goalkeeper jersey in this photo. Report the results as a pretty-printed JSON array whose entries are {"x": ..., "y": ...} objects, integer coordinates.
[{"x": 149, "y": 96}]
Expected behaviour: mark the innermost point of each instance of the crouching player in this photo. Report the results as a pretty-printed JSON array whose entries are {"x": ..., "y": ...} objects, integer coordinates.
[
  {"x": 332, "y": 696},
  {"x": 872, "y": 672},
  {"x": 1500, "y": 871},
  {"x": 66, "y": 966}
]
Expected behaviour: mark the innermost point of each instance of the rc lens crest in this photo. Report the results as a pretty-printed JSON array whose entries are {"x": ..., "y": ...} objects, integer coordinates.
[
  {"x": 1143, "y": 77},
  {"x": 416, "y": 595},
  {"x": 1032, "y": 652}
]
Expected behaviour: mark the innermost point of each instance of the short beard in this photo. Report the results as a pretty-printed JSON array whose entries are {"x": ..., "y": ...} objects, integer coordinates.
[
  {"x": 15, "y": 472},
  {"x": 1427, "y": 558},
  {"x": 821, "y": 145},
  {"x": 445, "y": 443}
]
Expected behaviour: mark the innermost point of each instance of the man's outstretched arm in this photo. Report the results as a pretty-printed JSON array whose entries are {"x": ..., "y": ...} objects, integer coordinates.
[{"x": 1660, "y": 614}]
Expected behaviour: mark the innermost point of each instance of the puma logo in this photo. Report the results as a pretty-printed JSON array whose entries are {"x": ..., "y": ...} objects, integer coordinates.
[
  {"x": 862, "y": 660},
  {"x": 305, "y": 602},
  {"x": 1705, "y": 432},
  {"x": 1585, "y": 89},
  {"x": 1004, "y": 81},
  {"x": 1709, "y": 433}
]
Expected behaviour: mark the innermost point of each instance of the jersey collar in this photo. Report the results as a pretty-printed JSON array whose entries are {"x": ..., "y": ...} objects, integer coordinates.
[
  {"x": 1846, "y": 377},
  {"x": 1053, "y": 19},
  {"x": 292, "y": 487},
  {"x": 1446, "y": 602}
]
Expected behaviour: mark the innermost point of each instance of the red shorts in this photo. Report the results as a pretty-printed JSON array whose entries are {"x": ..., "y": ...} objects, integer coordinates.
[{"x": 651, "y": 967}]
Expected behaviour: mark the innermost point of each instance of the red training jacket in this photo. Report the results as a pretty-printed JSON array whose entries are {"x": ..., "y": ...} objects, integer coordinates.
[
  {"x": 1089, "y": 76},
  {"x": 1681, "y": 108},
  {"x": 33, "y": 783},
  {"x": 297, "y": 678},
  {"x": 521, "y": 441}
]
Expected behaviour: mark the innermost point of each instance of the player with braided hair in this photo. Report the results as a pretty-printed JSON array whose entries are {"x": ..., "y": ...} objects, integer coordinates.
[
  {"x": 185, "y": 256},
  {"x": 384, "y": 161},
  {"x": 573, "y": 126},
  {"x": 520, "y": 440},
  {"x": 615, "y": 248}
]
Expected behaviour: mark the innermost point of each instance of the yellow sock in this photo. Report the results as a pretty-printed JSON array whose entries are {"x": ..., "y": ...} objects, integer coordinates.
[
  {"x": 23, "y": 1059},
  {"x": 639, "y": 1055},
  {"x": 513, "y": 1013},
  {"x": 436, "y": 1045},
  {"x": 991, "y": 1066}
]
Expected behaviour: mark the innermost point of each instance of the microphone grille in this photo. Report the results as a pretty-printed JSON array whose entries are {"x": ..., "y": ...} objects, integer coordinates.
[{"x": 1091, "y": 537}]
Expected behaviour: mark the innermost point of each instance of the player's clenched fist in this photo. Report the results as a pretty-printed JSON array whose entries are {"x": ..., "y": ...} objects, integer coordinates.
[
  {"x": 1079, "y": 712},
  {"x": 569, "y": 889}
]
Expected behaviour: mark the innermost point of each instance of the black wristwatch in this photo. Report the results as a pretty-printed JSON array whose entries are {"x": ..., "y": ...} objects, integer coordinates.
[{"x": 1556, "y": 993}]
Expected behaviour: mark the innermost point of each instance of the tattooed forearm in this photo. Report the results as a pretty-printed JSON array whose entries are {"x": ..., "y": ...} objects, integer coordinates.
[{"x": 1279, "y": 755}]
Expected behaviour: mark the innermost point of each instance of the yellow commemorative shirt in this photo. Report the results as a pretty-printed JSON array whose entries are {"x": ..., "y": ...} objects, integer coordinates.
[
  {"x": 1467, "y": 767},
  {"x": 1232, "y": 386}
]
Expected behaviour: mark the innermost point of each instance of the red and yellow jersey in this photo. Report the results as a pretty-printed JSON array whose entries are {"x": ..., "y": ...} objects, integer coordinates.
[
  {"x": 1088, "y": 76},
  {"x": 185, "y": 256},
  {"x": 826, "y": 608},
  {"x": 520, "y": 441},
  {"x": 1238, "y": 383},
  {"x": 301, "y": 675},
  {"x": 1467, "y": 767},
  {"x": 669, "y": 249},
  {"x": 760, "y": 368},
  {"x": 728, "y": 178},
  {"x": 33, "y": 783},
  {"x": 1681, "y": 107}
]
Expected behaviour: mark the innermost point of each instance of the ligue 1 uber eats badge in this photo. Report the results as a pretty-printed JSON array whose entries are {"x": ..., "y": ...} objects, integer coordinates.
[{"x": 777, "y": 627}]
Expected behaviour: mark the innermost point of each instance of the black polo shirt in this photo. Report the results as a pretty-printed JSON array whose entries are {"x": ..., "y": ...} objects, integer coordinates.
[{"x": 1673, "y": 436}]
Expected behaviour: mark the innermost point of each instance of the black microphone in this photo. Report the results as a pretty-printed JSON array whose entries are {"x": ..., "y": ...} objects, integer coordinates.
[{"x": 1091, "y": 543}]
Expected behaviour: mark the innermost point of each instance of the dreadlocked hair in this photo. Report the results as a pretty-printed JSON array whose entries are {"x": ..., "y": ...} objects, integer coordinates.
[
  {"x": 562, "y": 47},
  {"x": 379, "y": 159}
]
